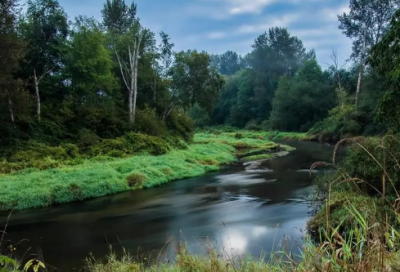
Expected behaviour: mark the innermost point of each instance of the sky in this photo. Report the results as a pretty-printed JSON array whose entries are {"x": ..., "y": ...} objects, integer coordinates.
[{"x": 217, "y": 26}]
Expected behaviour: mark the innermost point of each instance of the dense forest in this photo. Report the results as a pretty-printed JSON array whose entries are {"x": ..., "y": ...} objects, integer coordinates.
[{"x": 83, "y": 81}]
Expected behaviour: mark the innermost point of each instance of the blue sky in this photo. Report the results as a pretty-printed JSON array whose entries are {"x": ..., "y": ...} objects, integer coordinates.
[{"x": 220, "y": 25}]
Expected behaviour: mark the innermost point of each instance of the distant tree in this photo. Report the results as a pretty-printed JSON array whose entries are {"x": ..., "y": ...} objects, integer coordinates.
[
  {"x": 365, "y": 24},
  {"x": 118, "y": 17},
  {"x": 11, "y": 52},
  {"x": 194, "y": 81},
  {"x": 228, "y": 63},
  {"x": 302, "y": 101}
]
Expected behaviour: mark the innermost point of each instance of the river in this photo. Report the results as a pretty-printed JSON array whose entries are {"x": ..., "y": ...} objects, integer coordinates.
[{"x": 236, "y": 211}]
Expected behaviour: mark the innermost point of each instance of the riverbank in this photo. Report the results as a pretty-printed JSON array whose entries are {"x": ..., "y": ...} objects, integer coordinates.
[
  {"x": 101, "y": 176},
  {"x": 357, "y": 228}
]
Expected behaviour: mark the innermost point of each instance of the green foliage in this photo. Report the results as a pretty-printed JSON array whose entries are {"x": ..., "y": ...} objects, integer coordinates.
[
  {"x": 145, "y": 143},
  {"x": 118, "y": 17},
  {"x": 302, "y": 101},
  {"x": 181, "y": 125},
  {"x": 194, "y": 80},
  {"x": 136, "y": 180},
  {"x": 384, "y": 59},
  {"x": 87, "y": 139},
  {"x": 228, "y": 63},
  {"x": 148, "y": 122}
]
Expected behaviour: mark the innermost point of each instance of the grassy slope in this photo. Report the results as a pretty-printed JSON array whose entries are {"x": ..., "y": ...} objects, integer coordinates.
[{"x": 33, "y": 188}]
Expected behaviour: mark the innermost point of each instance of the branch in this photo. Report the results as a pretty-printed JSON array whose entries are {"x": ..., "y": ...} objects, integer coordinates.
[
  {"x": 122, "y": 71},
  {"x": 41, "y": 77}
]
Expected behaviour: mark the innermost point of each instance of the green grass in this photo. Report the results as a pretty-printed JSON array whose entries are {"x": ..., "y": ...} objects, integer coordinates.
[
  {"x": 239, "y": 140},
  {"x": 33, "y": 188},
  {"x": 258, "y": 157},
  {"x": 101, "y": 176}
]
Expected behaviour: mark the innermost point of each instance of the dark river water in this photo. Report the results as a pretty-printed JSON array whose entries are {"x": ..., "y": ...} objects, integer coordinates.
[{"x": 236, "y": 211}]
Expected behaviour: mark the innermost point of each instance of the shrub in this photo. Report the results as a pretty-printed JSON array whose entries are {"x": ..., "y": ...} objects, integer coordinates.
[
  {"x": 136, "y": 180},
  {"x": 365, "y": 160},
  {"x": 181, "y": 125},
  {"x": 72, "y": 150},
  {"x": 86, "y": 139},
  {"x": 252, "y": 125},
  {"x": 111, "y": 147},
  {"x": 137, "y": 142},
  {"x": 147, "y": 122},
  {"x": 37, "y": 151}
]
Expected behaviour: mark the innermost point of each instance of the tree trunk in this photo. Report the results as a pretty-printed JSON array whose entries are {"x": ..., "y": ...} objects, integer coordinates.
[
  {"x": 135, "y": 68},
  {"x": 154, "y": 88},
  {"x": 360, "y": 74},
  {"x": 129, "y": 73},
  {"x": 37, "y": 94},
  {"x": 10, "y": 108}
]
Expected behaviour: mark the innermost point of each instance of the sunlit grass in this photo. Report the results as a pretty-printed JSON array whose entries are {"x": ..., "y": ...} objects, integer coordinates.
[{"x": 101, "y": 176}]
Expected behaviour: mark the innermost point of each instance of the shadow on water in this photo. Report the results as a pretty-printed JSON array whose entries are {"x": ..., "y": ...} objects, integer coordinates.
[{"x": 237, "y": 211}]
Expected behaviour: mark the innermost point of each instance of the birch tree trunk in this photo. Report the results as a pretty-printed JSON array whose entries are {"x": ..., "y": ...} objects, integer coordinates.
[
  {"x": 36, "y": 82},
  {"x": 360, "y": 74},
  {"x": 129, "y": 71},
  {"x": 10, "y": 108}
]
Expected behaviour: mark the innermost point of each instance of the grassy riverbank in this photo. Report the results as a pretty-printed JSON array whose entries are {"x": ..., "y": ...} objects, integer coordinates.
[
  {"x": 356, "y": 228},
  {"x": 100, "y": 176}
]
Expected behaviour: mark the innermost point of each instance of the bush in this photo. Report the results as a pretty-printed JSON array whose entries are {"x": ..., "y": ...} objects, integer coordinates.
[
  {"x": 365, "y": 160},
  {"x": 181, "y": 125},
  {"x": 111, "y": 147},
  {"x": 72, "y": 150},
  {"x": 239, "y": 135},
  {"x": 147, "y": 122},
  {"x": 37, "y": 151},
  {"x": 136, "y": 180},
  {"x": 252, "y": 125},
  {"x": 86, "y": 139},
  {"x": 137, "y": 142}
]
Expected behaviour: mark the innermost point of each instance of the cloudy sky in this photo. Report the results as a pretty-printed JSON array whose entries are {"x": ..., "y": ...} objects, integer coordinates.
[{"x": 220, "y": 25}]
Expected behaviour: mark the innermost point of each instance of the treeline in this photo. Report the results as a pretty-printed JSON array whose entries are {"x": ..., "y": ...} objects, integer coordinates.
[
  {"x": 85, "y": 80},
  {"x": 281, "y": 86}
]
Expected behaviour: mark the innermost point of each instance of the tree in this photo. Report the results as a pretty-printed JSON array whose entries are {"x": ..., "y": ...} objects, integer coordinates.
[
  {"x": 45, "y": 31},
  {"x": 90, "y": 62},
  {"x": 194, "y": 80},
  {"x": 11, "y": 52},
  {"x": 118, "y": 17},
  {"x": 228, "y": 63},
  {"x": 135, "y": 42},
  {"x": 384, "y": 58},
  {"x": 365, "y": 24},
  {"x": 302, "y": 101},
  {"x": 161, "y": 61}
]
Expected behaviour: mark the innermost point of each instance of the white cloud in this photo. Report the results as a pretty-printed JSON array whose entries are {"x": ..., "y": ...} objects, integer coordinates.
[
  {"x": 330, "y": 14},
  {"x": 280, "y": 21},
  {"x": 216, "y": 35}
]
